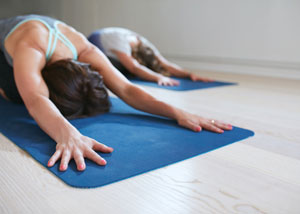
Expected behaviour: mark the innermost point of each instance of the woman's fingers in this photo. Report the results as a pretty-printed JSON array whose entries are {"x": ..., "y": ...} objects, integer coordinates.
[
  {"x": 195, "y": 77},
  {"x": 216, "y": 126},
  {"x": 101, "y": 147},
  {"x": 172, "y": 82},
  {"x": 175, "y": 82},
  {"x": 78, "y": 151},
  {"x": 197, "y": 123},
  {"x": 65, "y": 159},
  {"x": 224, "y": 126},
  {"x": 162, "y": 83},
  {"x": 79, "y": 160},
  {"x": 204, "y": 79},
  {"x": 212, "y": 127},
  {"x": 190, "y": 125},
  {"x": 166, "y": 81},
  {"x": 92, "y": 155},
  {"x": 54, "y": 158}
]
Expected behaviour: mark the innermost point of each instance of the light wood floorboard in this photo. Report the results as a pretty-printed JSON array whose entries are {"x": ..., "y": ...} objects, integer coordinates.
[{"x": 257, "y": 175}]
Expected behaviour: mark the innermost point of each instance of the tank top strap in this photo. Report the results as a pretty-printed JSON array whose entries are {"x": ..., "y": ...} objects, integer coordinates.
[
  {"x": 52, "y": 31},
  {"x": 50, "y": 52},
  {"x": 66, "y": 41},
  {"x": 48, "y": 55}
]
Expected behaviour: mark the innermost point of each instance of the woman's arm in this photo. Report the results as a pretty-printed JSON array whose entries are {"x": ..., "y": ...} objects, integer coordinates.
[
  {"x": 177, "y": 71},
  {"x": 134, "y": 67},
  {"x": 28, "y": 63},
  {"x": 139, "y": 99}
]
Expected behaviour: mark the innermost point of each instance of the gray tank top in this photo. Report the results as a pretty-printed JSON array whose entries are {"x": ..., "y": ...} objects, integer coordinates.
[{"x": 8, "y": 26}]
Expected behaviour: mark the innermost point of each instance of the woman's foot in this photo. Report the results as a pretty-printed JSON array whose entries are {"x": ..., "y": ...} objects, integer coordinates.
[{"x": 2, "y": 93}]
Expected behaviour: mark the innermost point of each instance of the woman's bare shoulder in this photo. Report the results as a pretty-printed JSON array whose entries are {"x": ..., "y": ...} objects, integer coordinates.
[{"x": 31, "y": 34}]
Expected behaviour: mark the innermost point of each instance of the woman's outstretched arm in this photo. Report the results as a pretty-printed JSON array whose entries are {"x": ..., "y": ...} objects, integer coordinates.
[
  {"x": 134, "y": 67},
  {"x": 177, "y": 71},
  {"x": 28, "y": 63},
  {"x": 141, "y": 100}
]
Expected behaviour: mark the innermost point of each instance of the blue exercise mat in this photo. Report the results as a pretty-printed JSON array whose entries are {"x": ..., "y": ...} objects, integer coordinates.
[
  {"x": 141, "y": 142},
  {"x": 185, "y": 84}
]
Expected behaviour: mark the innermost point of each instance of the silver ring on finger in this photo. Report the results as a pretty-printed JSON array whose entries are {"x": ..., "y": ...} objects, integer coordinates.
[{"x": 212, "y": 122}]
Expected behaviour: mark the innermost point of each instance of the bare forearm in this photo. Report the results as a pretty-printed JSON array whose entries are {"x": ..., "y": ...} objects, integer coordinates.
[
  {"x": 141, "y": 100},
  {"x": 50, "y": 119},
  {"x": 175, "y": 70},
  {"x": 145, "y": 73}
]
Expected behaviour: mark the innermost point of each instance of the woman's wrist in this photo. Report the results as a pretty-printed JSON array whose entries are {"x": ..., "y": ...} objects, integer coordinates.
[
  {"x": 176, "y": 113},
  {"x": 159, "y": 77},
  {"x": 66, "y": 132}
]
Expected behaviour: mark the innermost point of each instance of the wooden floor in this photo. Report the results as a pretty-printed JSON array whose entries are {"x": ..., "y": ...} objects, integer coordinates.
[{"x": 258, "y": 175}]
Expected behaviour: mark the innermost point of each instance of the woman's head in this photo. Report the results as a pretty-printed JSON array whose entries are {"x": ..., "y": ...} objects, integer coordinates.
[
  {"x": 143, "y": 54},
  {"x": 146, "y": 56},
  {"x": 75, "y": 89}
]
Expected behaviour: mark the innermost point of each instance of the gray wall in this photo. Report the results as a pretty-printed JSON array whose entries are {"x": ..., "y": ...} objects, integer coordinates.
[
  {"x": 10, "y": 8},
  {"x": 258, "y": 34}
]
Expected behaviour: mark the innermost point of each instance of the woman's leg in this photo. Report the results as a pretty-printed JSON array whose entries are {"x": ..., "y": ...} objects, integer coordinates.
[{"x": 7, "y": 82}]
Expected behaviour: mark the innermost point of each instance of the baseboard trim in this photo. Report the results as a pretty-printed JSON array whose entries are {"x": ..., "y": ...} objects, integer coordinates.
[{"x": 242, "y": 66}]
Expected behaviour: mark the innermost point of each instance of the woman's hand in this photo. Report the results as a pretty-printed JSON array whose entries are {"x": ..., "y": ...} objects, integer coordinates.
[
  {"x": 197, "y": 123},
  {"x": 78, "y": 147},
  {"x": 195, "y": 77},
  {"x": 166, "y": 81}
]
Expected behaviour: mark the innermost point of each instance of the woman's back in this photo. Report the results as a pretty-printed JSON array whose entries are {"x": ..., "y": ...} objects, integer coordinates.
[{"x": 53, "y": 38}]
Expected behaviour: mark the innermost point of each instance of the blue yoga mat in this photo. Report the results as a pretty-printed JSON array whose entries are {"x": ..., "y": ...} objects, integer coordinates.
[
  {"x": 185, "y": 84},
  {"x": 141, "y": 142}
]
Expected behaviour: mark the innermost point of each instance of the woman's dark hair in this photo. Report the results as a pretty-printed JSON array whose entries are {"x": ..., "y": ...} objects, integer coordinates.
[
  {"x": 146, "y": 56},
  {"x": 75, "y": 89}
]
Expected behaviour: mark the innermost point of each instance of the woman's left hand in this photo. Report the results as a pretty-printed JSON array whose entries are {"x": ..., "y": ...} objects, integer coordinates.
[
  {"x": 166, "y": 81},
  {"x": 195, "y": 77},
  {"x": 197, "y": 123}
]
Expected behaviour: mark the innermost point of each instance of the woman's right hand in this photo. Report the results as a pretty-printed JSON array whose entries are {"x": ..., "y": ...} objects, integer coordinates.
[
  {"x": 78, "y": 147},
  {"x": 166, "y": 81},
  {"x": 197, "y": 123},
  {"x": 195, "y": 77}
]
